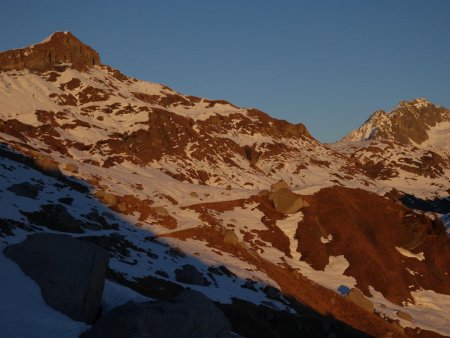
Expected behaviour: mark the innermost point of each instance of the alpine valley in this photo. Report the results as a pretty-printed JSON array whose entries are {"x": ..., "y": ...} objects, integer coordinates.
[{"x": 131, "y": 210}]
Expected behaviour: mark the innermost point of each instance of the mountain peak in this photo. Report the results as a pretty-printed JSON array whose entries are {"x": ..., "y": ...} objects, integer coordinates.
[
  {"x": 418, "y": 103},
  {"x": 59, "y": 47},
  {"x": 410, "y": 122}
]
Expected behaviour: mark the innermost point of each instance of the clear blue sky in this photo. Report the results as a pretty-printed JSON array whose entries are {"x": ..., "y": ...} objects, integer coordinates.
[{"x": 327, "y": 64}]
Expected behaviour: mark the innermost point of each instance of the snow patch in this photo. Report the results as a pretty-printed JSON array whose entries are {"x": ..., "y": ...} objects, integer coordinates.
[{"x": 420, "y": 256}]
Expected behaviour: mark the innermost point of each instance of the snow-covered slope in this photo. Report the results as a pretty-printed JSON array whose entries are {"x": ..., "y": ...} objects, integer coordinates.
[{"x": 162, "y": 180}]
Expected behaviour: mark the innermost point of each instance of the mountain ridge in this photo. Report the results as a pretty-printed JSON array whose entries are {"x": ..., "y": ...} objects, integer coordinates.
[{"x": 417, "y": 122}]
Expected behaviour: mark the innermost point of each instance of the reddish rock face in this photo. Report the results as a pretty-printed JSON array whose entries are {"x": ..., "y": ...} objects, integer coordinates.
[
  {"x": 368, "y": 239},
  {"x": 60, "y": 47}
]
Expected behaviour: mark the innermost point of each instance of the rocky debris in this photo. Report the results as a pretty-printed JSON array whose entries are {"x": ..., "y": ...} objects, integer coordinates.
[
  {"x": 118, "y": 246},
  {"x": 70, "y": 272},
  {"x": 7, "y": 227},
  {"x": 188, "y": 274},
  {"x": 95, "y": 216},
  {"x": 66, "y": 200},
  {"x": 272, "y": 293},
  {"x": 60, "y": 47},
  {"x": 249, "y": 284},
  {"x": 162, "y": 273},
  {"x": 109, "y": 199},
  {"x": 385, "y": 159},
  {"x": 25, "y": 189},
  {"x": 221, "y": 270},
  {"x": 150, "y": 286},
  {"x": 71, "y": 167},
  {"x": 55, "y": 217},
  {"x": 286, "y": 201},
  {"x": 281, "y": 184},
  {"x": 356, "y": 296},
  {"x": 190, "y": 314}
]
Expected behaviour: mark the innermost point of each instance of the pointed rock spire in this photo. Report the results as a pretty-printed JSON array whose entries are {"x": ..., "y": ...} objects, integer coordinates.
[{"x": 60, "y": 47}]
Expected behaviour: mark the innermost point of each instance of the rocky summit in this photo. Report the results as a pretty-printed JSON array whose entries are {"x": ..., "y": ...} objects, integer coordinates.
[
  {"x": 58, "y": 48},
  {"x": 417, "y": 122},
  {"x": 181, "y": 214}
]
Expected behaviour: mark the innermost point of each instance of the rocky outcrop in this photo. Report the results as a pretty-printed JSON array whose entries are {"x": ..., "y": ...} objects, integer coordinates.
[
  {"x": 60, "y": 47},
  {"x": 286, "y": 201},
  {"x": 189, "y": 315},
  {"x": 230, "y": 237},
  {"x": 70, "y": 272}
]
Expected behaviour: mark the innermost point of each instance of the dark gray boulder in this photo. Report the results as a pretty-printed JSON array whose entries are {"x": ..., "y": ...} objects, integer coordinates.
[
  {"x": 189, "y": 315},
  {"x": 70, "y": 272},
  {"x": 189, "y": 274},
  {"x": 26, "y": 189},
  {"x": 55, "y": 217}
]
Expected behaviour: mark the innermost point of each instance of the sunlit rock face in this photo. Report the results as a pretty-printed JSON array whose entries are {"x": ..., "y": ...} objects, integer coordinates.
[{"x": 60, "y": 47}]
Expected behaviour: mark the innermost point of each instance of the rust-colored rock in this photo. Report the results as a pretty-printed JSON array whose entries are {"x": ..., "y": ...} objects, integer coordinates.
[
  {"x": 367, "y": 238},
  {"x": 60, "y": 47}
]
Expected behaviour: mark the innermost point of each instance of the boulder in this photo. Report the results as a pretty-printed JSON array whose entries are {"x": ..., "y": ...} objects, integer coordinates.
[
  {"x": 161, "y": 211},
  {"x": 357, "y": 297},
  {"x": 189, "y": 274},
  {"x": 190, "y": 314},
  {"x": 48, "y": 165},
  {"x": 279, "y": 185},
  {"x": 70, "y": 272},
  {"x": 230, "y": 237},
  {"x": 122, "y": 207},
  {"x": 109, "y": 198},
  {"x": 55, "y": 217},
  {"x": 25, "y": 189},
  {"x": 287, "y": 202},
  {"x": 71, "y": 167}
]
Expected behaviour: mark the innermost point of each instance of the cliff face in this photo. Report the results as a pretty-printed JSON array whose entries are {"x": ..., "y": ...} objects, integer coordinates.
[{"x": 60, "y": 47}]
